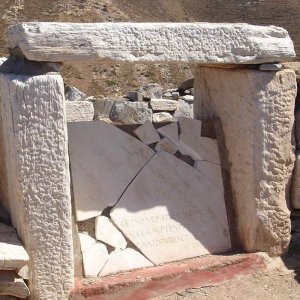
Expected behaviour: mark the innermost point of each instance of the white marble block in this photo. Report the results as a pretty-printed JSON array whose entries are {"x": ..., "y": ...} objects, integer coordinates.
[
  {"x": 94, "y": 258},
  {"x": 214, "y": 43},
  {"x": 103, "y": 160},
  {"x": 164, "y": 104},
  {"x": 172, "y": 212}
]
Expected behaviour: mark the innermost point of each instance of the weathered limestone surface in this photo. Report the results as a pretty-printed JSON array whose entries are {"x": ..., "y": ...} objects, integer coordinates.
[
  {"x": 256, "y": 110},
  {"x": 152, "y": 42},
  {"x": 12, "y": 253},
  {"x": 171, "y": 212},
  {"x": 86, "y": 241},
  {"x": 79, "y": 111},
  {"x": 147, "y": 133},
  {"x": 170, "y": 131},
  {"x": 32, "y": 115},
  {"x": 164, "y": 104},
  {"x": 161, "y": 117},
  {"x": 104, "y": 160}
]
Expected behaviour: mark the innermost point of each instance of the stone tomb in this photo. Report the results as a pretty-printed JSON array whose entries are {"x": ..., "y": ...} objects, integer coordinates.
[{"x": 166, "y": 209}]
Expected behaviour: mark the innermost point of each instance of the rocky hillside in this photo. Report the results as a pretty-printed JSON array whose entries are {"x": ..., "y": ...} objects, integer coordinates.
[{"x": 103, "y": 80}]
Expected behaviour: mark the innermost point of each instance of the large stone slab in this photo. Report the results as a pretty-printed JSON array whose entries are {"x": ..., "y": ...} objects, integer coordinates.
[
  {"x": 172, "y": 212},
  {"x": 170, "y": 131},
  {"x": 147, "y": 133},
  {"x": 124, "y": 260},
  {"x": 12, "y": 253},
  {"x": 152, "y": 42},
  {"x": 256, "y": 110},
  {"x": 104, "y": 160}
]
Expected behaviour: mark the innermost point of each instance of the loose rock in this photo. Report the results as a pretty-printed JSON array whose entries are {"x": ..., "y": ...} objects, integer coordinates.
[
  {"x": 162, "y": 117},
  {"x": 78, "y": 111},
  {"x": 102, "y": 108},
  {"x": 151, "y": 91},
  {"x": 135, "y": 96},
  {"x": 147, "y": 133},
  {"x": 131, "y": 112},
  {"x": 184, "y": 109},
  {"x": 185, "y": 85},
  {"x": 73, "y": 94}
]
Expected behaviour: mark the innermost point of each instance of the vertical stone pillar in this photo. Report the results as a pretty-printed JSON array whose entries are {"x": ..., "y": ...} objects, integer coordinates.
[
  {"x": 34, "y": 144},
  {"x": 256, "y": 110}
]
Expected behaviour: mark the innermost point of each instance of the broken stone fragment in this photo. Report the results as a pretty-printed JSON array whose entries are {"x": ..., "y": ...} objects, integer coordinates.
[
  {"x": 199, "y": 148},
  {"x": 163, "y": 104},
  {"x": 170, "y": 131},
  {"x": 78, "y": 111},
  {"x": 181, "y": 219},
  {"x": 147, "y": 133},
  {"x": 24, "y": 272},
  {"x": 185, "y": 109},
  {"x": 86, "y": 241},
  {"x": 94, "y": 258},
  {"x": 74, "y": 94},
  {"x": 12, "y": 253},
  {"x": 190, "y": 126},
  {"x": 108, "y": 233},
  {"x": 165, "y": 145},
  {"x": 162, "y": 117},
  {"x": 127, "y": 112},
  {"x": 11, "y": 284},
  {"x": 188, "y": 98},
  {"x": 124, "y": 260},
  {"x": 102, "y": 108},
  {"x": 150, "y": 91},
  {"x": 96, "y": 148}
]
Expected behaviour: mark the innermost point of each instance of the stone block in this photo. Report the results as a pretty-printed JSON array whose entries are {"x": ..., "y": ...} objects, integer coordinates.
[
  {"x": 162, "y": 117},
  {"x": 108, "y": 233},
  {"x": 94, "y": 258},
  {"x": 172, "y": 212},
  {"x": 170, "y": 131},
  {"x": 147, "y": 133},
  {"x": 163, "y": 104},
  {"x": 78, "y": 111},
  {"x": 12, "y": 252},
  {"x": 127, "y": 112},
  {"x": 190, "y": 126},
  {"x": 151, "y": 90},
  {"x": 102, "y": 108},
  {"x": 96, "y": 148},
  {"x": 199, "y": 148},
  {"x": 184, "y": 109},
  {"x": 13, "y": 285},
  {"x": 215, "y": 43},
  {"x": 165, "y": 145},
  {"x": 124, "y": 260},
  {"x": 135, "y": 96},
  {"x": 256, "y": 110},
  {"x": 33, "y": 122}
]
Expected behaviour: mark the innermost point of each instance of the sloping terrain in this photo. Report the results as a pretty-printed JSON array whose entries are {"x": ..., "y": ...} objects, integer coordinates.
[{"x": 107, "y": 80}]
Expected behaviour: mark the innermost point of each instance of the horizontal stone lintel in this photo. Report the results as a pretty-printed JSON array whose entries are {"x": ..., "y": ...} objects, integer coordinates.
[{"x": 203, "y": 43}]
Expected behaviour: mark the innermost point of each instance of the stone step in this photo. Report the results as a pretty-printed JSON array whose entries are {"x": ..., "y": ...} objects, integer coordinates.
[
  {"x": 12, "y": 253},
  {"x": 214, "y": 43}
]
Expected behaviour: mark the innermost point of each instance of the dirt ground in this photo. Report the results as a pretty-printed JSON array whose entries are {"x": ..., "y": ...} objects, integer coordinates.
[{"x": 280, "y": 281}]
